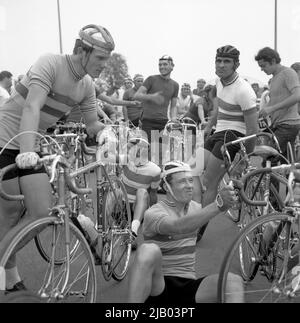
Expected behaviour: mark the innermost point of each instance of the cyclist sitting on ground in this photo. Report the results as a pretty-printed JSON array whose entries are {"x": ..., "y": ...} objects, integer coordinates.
[
  {"x": 164, "y": 266},
  {"x": 141, "y": 178},
  {"x": 53, "y": 86}
]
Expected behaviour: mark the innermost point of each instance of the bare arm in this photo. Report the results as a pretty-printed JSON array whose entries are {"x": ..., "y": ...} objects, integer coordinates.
[
  {"x": 173, "y": 109},
  {"x": 251, "y": 121},
  {"x": 198, "y": 217},
  {"x": 288, "y": 102},
  {"x": 115, "y": 101},
  {"x": 143, "y": 96},
  {"x": 36, "y": 99},
  {"x": 190, "y": 223}
]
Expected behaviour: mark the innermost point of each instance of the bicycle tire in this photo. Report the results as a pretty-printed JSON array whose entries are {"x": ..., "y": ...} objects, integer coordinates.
[
  {"x": 263, "y": 288},
  {"x": 46, "y": 280},
  {"x": 117, "y": 219}
]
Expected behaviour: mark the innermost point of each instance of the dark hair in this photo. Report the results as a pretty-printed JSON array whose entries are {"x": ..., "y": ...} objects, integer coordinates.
[
  {"x": 80, "y": 43},
  {"x": 268, "y": 54},
  {"x": 5, "y": 74}
]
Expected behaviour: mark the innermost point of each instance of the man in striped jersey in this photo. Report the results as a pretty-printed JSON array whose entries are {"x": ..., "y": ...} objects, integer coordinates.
[
  {"x": 53, "y": 86},
  {"x": 235, "y": 116},
  {"x": 164, "y": 267},
  {"x": 141, "y": 178}
]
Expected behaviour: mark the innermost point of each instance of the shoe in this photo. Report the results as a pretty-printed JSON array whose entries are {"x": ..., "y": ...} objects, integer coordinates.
[
  {"x": 16, "y": 288},
  {"x": 134, "y": 244}
]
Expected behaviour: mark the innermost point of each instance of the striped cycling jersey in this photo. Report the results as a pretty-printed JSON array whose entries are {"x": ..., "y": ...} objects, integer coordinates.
[
  {"x": 66, "y": 89},
  {"x": 144, "y": 176},
  {"x": 233, "y": 100},
  {"x": 178, "y": 251}
]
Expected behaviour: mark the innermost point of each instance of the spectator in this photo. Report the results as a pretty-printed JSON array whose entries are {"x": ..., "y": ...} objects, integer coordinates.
[
  {"x": 284, "y": 96},
  {"x": 118, "y": 93},
  {"x": 128, "y": 83},
  {"x": 157, "y": 93},
  {"x": 186, "y": 100},
  {"x": 200, "y": 87},
  {"x": 296, "y": 68},
  {"x": 5, "y": 86},
  {"x": 133, "y": 113},
  {"x": 208, "y": 101}
]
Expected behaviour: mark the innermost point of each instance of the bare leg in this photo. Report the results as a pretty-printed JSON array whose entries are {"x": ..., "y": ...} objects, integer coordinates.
[
  {"x": 213, "y": 174},
  {"x": 207, "y": 291},
  {"x": 141, "y": 205},
  {"x": 146, "y": 276}
]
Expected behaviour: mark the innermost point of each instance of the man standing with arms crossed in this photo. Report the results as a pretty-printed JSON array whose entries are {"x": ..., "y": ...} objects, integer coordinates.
[{"x": 156, "y": 94}]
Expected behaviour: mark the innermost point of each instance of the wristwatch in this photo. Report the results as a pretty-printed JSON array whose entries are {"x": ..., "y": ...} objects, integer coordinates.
[{"x": 220, "y": 203}]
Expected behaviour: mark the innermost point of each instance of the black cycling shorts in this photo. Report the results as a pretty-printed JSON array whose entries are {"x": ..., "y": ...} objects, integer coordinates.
[
  {"x": 217, "y": 140},
  {"x": 178, "y": 290},
  {"x": 8, "y": 157}
]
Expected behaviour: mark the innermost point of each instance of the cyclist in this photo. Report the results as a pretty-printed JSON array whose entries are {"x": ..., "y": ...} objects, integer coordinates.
[
  {"x": 141, "y": 178},
  {"x": 53, "y": 86},
  {"x": 235, "y": 116},
  {"x": 164, "y": 266}
]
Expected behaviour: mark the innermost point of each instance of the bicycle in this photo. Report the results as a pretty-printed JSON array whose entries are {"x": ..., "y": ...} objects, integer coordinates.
[
  {"x": 114, "y": 221},
  {"x": 182, "y": 135},
  {"x": 75, "y": 278},
  {"x": 110, "y": 212},
  {"x": 256, "y": 187},
  {"x": 270, "y": 245}
]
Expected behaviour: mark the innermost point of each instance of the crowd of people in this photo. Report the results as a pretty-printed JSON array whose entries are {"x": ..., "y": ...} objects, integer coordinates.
[{"x": 63, "y": 87}]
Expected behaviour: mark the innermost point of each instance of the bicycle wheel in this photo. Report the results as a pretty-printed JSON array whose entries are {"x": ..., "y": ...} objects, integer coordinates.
[
  {"x": 72, "y": 281},
  {"x": 255, "y": 190},
  {"x": 43, "y": 242},
  {"x": 269, "y": 245},
  {"x": 117, "y": 220}
]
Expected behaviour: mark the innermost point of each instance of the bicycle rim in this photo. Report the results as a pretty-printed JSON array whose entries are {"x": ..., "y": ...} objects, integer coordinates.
[
  {"x": 271, "y": 255},
  {"x": 117, "y": 217},
  {"x": 51, "y": 282}
]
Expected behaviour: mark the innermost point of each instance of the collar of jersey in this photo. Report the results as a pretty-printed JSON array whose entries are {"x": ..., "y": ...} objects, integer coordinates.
[
  {"x": 231, "y": 82},
  {"x": 77, "y": 76},
  {"x": 173, "y": 204}
]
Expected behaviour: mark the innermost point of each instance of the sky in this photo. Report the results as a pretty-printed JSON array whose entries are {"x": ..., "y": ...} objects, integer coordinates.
[{"x": 143, "y": 30}]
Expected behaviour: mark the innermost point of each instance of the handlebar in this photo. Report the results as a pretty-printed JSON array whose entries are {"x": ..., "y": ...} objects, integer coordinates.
[
  {"x": 243, "y": 139},
  {"x": 55, "y": 159},
  {"x": 240, "y": 183}
]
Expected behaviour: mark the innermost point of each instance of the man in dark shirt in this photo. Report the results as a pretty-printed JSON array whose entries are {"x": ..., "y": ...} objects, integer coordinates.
[
  {"x": 158, "y": 94},
  {"x": 133, "y": 113}
]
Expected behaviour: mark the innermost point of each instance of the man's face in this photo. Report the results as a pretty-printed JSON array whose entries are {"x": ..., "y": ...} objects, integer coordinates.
[
  {"x": 201, "y": 84},
  {"x": 95, "y": 63},
  {"x": 185, "y": 91},
  {"x": 138, "y": 82},
  {"x": 128, "y": 85},
  {"x": 182, "y": 185},
  {"x": 165, "y": 67},
  {"x": 225, "y": 67},
  {"x": 266, "y": 66}
]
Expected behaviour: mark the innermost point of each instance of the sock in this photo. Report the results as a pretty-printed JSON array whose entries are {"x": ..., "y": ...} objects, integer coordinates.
[
  {"x": 12, "y": 277},
  {"x": 135, "y": 224}
]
